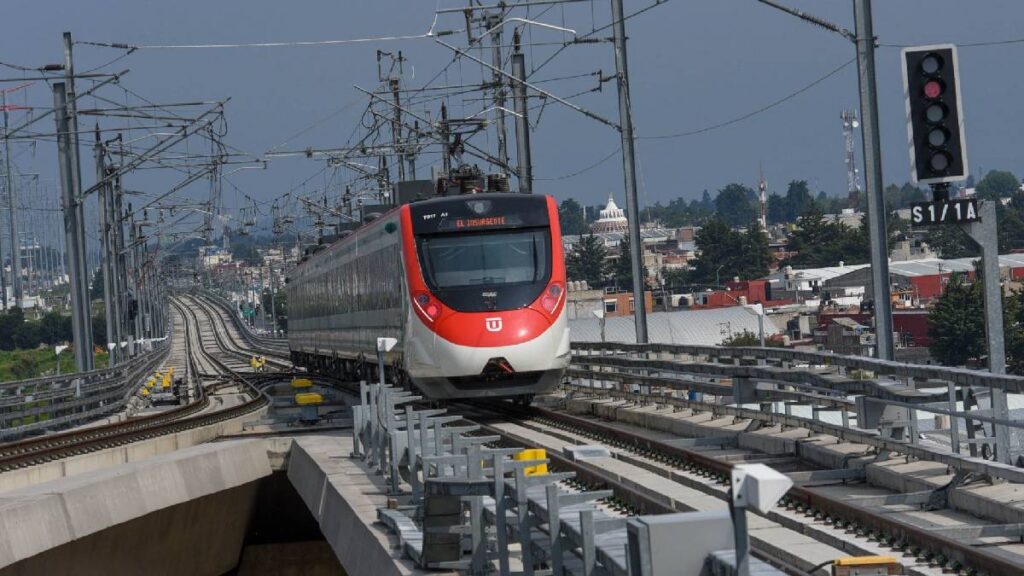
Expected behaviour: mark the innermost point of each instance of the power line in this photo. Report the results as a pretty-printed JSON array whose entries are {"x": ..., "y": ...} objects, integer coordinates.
[
  {"x": 125, "y": 46},
  {"x": 584, "y": 170},
  {"x": 592, "y": 33},
  {"x": 753, "y": 113}
]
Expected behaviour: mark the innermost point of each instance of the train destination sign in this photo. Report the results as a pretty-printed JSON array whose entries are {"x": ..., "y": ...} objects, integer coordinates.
[
  {"x": 478, "y": 212},
  {"x": 957, "y": 211}
]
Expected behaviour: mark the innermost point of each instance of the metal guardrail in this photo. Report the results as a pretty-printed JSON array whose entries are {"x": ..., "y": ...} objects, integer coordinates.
[
  {"x": 911, "y": 373},
  {"x": 72, "y": 399},
  {"x": 256, "y": 340},
  {"x": 885, "y": 405}
]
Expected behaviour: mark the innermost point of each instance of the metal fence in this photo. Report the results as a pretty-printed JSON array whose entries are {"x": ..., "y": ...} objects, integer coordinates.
[
  {"x": 40, "y": 404},
  {"x": 887, "y": 396}
]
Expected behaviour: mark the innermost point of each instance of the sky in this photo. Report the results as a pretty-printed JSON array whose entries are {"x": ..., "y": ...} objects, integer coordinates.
[{"x": 693, "y": 64}]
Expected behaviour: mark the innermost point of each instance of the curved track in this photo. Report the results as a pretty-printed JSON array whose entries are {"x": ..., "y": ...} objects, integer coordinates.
[{"x": 206, "y": 341}]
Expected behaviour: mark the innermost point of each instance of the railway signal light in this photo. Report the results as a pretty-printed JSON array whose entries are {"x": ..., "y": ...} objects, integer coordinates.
[{"x": 938, "y": 151}]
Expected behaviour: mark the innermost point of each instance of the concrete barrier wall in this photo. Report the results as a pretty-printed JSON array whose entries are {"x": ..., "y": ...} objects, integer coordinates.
[
  {"x": 41, "y": 518},
  {"x": 122, "y": 454},
  {"x": 201, "y": 537},
  {"x": 343, "y": 497}
]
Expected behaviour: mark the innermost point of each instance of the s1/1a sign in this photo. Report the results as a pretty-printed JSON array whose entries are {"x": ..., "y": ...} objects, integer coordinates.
[{"x": 944, "y": 212}]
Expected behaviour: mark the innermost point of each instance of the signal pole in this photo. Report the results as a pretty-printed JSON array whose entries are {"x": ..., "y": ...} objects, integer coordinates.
[
  {"x": 629, "y": 168},
  {"x": 865, "y": 39}
]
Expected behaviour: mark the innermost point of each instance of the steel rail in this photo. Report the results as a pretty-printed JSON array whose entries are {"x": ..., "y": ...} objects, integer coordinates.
[
  {"x": 595, "y": 477},
  {"x": 958, "y": 462},
  {"x": 898, "y": 370},
  {"x": 49, "y": 448},
  {"x": 890, "y": 529}
]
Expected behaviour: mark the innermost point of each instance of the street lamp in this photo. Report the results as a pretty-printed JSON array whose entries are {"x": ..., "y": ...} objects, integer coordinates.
[{"x": 718, "y": 283}]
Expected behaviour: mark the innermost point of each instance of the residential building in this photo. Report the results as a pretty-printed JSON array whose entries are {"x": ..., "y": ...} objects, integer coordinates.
[{"x": 843, "y": 335}]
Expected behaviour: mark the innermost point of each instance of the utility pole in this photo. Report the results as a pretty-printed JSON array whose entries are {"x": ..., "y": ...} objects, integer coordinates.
[
  {"x": 77, "y": 204},
  {"x": 493, "y": 22},
  {"x": 120, "y": 269},
  {"x": 12, "y": 215},
  {"x": 865, "y": 38},
  {"x": 412, "y": 149},
  {"x": 446, "y": 159},
  {"x": 139, "y": 279},
  {"x": 108, "y": 270},
  {"x": 396, "y": 126},
  {"x": 629, "y": 168},
  {"x": 80, "y": 324},
  {"x": 522, "y": 119}
]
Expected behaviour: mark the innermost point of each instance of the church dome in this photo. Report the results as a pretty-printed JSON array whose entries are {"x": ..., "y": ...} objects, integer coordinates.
[{"x": 612, "y": 218}]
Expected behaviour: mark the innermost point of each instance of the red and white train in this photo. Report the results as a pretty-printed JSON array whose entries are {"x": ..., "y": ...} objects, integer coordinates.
[{"x": 473, "y": 288}]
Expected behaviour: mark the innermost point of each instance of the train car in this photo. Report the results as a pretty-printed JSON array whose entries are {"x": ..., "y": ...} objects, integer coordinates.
[{"x": 472, "y": 287}]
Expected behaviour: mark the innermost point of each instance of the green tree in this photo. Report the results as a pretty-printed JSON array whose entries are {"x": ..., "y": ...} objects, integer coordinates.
[
  {"x": 99, "y": 330},
  {"x": 897, "y": 197},
  {"x": 675, "y": 278},
  {"x": 958, "y": 323},
  {"x": 622, "y": 268},
  {"x": 10, "y": 324},
  {"x": 814, "y": 240},
  {"x": 726, "y": 253},
  {"x": 950, "y": 242},
  {"x": 778, "y": 209},
  {"x": 96, "y": 289},
  {"x": 706, "y": 203},
  {"x": 588, "y": 261},
  {"x": 718, "y": 246},
  {"x": 246, "y": 252},
  {"x": 570, "y": 218},
  {"x": 736, "y": 205},
  {"x": 755, "y": 257},
  {"x": 25, "y": 366},
  {"x": 55, "y": 328},
  {"x": 997, "y": 184},
  {"x": 798, "y": 199}
]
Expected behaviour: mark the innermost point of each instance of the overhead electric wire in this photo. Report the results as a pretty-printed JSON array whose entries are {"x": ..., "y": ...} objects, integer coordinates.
[
  {"x": 578, "y": 39},
  {"x": 584, "y": 170},
  {"x": 753, "y": 113}
]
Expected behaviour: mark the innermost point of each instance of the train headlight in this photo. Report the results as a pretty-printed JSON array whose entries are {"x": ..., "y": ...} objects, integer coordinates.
[
  {"x": 552, "y": 297},
  {"x": 427, "y": 306}
]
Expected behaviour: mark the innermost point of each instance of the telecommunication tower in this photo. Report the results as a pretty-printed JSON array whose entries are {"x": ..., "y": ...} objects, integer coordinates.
[
  {"x": 850, "y": 123},
  {"x": 762, "y": 196}
]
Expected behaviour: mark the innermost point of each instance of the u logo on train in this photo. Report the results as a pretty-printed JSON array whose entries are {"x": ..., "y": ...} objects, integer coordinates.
[{"x": 473, "y": 288}]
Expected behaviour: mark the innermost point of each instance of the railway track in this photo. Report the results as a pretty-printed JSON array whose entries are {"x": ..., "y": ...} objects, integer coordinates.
[
  {"x": 833, "y": 513},
  {"x": 232, "y": 339},
  {"x": 201, "y": 364}
]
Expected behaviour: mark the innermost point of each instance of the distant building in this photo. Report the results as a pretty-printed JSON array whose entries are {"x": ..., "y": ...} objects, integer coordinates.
[
  {"x": 845, "y": 336},
  {"x": 213, "y": 256},
  {"x": 611, "y": 219},
  {"x": 699, "y": 327},
  {"x": 621, "y": 303},
  {"x": 911, "y": 249},
  {"x": 848, "y": 217}
]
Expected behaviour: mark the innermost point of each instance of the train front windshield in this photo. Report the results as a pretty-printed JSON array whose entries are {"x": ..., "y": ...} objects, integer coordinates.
[{"x": 479, "y": 271}]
